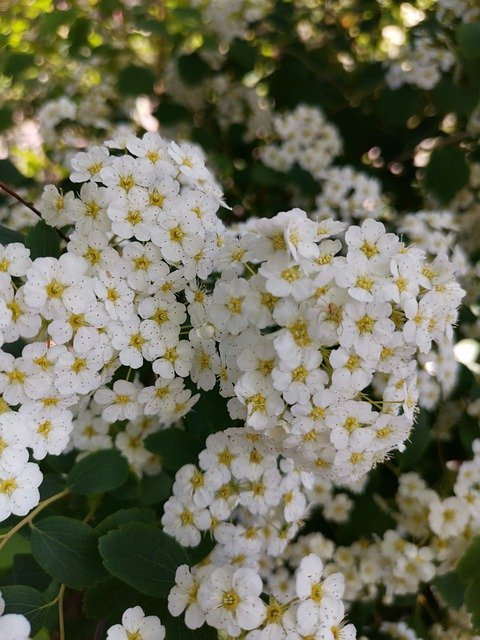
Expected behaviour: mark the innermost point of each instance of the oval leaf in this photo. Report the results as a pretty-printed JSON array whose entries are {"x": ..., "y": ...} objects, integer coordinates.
[
  {"x": 67, "y": 550},
  {"x": 98, "y": 472},
  {"x": 143, "y": 556}
]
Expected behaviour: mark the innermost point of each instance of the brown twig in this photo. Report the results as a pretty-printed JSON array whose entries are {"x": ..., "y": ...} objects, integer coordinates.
[{"x": 28, "y": 204}]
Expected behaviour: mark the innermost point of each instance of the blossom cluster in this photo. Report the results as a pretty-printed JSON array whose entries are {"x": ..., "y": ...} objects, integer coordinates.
[
  {"x": 306, "y": 137},
  {"x": 309, "y": 328}
]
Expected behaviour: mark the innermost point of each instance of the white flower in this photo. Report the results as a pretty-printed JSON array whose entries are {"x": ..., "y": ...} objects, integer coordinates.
[
  {"x": 231, "y": 599},
  {"x": 320, "y": 600},
  {"x": 14, "y": 626},
  {"x": 178, "y": 235},
  {"x": 55, "y": 285},
  {"x": 14, "y": 259},
  {"x": 130, "y": 218},
  {"x": 366, "y": 328},
  {"x": 58, "y": 209},
  {"x": 19, "y": 489},
  {"x": 124, "y": 172},
  {"x": 448, "y": 518},
  {"x": 185, "y": 521},
  {"x": 183, "y": 596},
  {"x": 49, "y": 430},
  {"x": 13, "y": 440},
  {"x": 120, "y": 403},
  {"x": 135, "y": 624},
  {"x": 88, "y": 165}
]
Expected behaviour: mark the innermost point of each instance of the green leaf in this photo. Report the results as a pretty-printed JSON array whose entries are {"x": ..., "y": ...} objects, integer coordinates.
[
  {"x": 417, "y": 443},
  {"x": 123, "y": 516},
  {"x": 175, "y": 447},
  {"x": 17, "y": 62},
  {"x": 266, "y": 177},
  {"x": 468, "y": 570},
  {"x": 6, "y": 117},
  {"x": 472, "y": 602},
  {"x": 396, "y": 107},
  {"x": 192, "y": 69},
  {"x": 43, "y": 241},
  {"x": 446, "y": 173},
  {"x": 155, "y": 489},
  {"x": 11, "y": 175},
  {"x": 201, "y": 551},
  {"x": 143, "y": 556},
  {"x": 108, "y": 599},
  {"x": 451, "y": 98},
  {"x": 26, "y": 570},
  {"x": 7, "y": 236},
  {"x": 27, "y": 601},
  {"x": 169, "y": 112},
  {"x": 135, "y": 80},
  {"x": 17, "y": 544},
  {"x": 469, "y": 566},
  {"x": 98, "y": 472},
  {"x": 450, "y": 588},
  {"x": 67, "y": 550},
  {"x": 209, "y": 415},
  {"x": 468, "y": 39},
  {"x": 78, "y": 35}
]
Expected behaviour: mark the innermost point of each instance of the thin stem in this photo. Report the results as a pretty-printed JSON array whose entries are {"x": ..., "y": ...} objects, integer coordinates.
[
  {"x": 7, "y": 536},
  {"x": 18, "y": 197},
  {"x": 28, "y": 204},
  {"x": 249, "y": 268},
  {"x": 61, "y": 619}
]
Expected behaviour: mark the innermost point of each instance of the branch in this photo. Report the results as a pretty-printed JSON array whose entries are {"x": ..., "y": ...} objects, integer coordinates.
[{"x": 28, "y": 204}]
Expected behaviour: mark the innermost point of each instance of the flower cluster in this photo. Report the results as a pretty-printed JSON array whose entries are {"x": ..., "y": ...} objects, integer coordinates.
[
  {"x": 420, "y": 64},
  {"x": 316, "y": 328},
  {"x": 306, "y": 137},
  {"x": 228, "y": 599}
]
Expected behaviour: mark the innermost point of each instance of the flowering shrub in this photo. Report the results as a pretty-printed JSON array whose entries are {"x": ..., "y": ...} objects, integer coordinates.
[{"x": 239, "y": 320}]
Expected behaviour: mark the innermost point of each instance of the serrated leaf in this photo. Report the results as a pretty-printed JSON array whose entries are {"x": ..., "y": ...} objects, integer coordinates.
[
  {"x": 67, "y": 550},
  {"x": 108, "y": 599},
  {"x": 175, "y": 447},
  {"x": 98, "y": 472},
  {"x": 447, "y": 172},
  {"x": 143, "y": 556},
  {"x": 43, "y": 241},
  {"x": 27, "y": 601},
  {"x": 468, "y": 39},
  {"x": 124, "y": 516}
]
